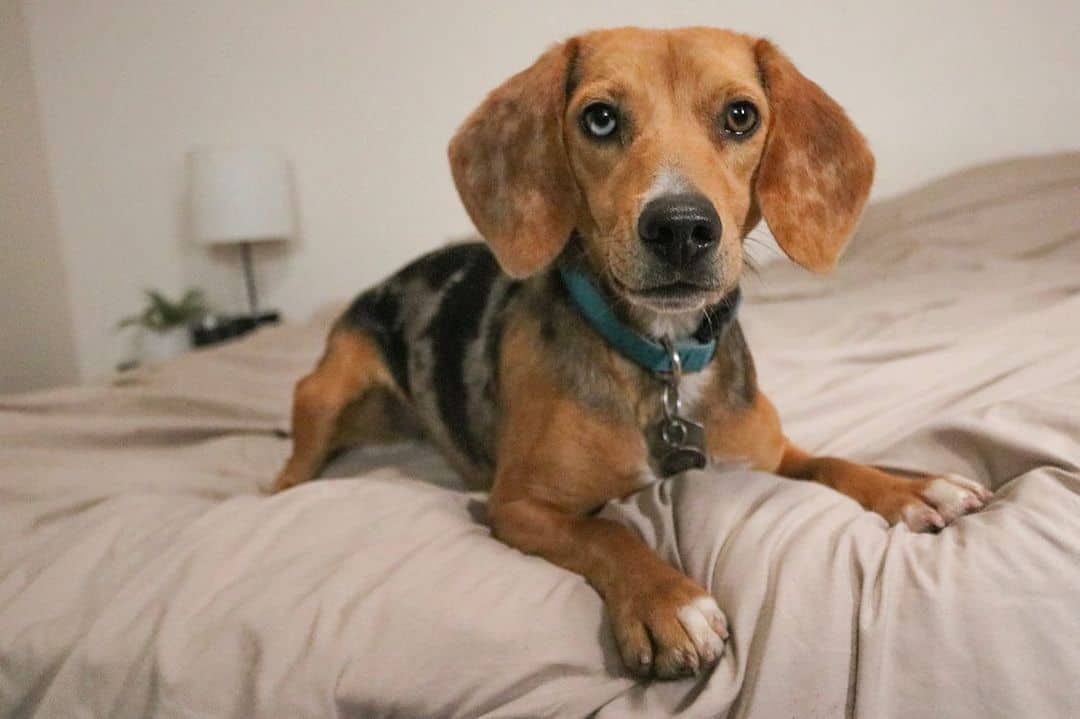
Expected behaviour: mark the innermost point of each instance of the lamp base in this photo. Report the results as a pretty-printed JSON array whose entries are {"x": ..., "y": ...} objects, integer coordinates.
[{"x": 215, "y": 328}]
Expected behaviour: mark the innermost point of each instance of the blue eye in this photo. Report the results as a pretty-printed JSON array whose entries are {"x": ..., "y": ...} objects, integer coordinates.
[{"x": 600, "y": 120}]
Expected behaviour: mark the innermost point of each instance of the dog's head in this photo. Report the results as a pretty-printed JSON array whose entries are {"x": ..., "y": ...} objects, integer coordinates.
[{"x": 661, "y": 149}]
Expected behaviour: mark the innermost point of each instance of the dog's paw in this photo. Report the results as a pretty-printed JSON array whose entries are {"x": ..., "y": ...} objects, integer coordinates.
[
  {"x": 673, "y": 629},
  {"x": 938, "y": 501}
]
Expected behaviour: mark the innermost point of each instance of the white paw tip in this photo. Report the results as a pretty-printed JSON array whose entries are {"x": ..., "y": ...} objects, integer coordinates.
[
  {"x": 701, "y": 618},
  {"x": 717, "y": 620},
  {"x": 952, "y": 498},
  {"x": 971, "y": 485},
  {"x": 919, "y": 517}
]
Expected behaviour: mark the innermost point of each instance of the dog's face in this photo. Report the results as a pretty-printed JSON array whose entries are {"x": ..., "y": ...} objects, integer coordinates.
[
  {"x": 661, "y": 149},
  {"x": 663, "y": 132}
]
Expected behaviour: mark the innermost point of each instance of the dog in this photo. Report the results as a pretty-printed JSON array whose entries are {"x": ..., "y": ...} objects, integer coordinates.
[{"x": 592, "y": 344}]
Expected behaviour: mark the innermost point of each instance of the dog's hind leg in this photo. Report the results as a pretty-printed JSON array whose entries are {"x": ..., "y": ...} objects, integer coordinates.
[{"x": 351, "y": 370}]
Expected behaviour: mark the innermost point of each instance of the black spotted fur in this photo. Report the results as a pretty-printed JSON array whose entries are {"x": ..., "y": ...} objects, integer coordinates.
[{"x": 439, "y": 322}]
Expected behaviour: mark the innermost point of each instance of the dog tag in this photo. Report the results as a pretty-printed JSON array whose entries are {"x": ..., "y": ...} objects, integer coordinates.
[{"x": 678, "y": 445}]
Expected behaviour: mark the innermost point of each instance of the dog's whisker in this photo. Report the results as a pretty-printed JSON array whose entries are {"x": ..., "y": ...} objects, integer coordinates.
[
  {"x": 709, "y": 321},
  {"x": 765, "y": 243},
  {"x": 754, "y": 270}
]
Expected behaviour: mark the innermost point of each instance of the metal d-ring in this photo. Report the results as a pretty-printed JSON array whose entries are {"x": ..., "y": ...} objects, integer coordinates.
[
  {"x": 674, "y": 359},
  {"x": 672, "y": 405}
]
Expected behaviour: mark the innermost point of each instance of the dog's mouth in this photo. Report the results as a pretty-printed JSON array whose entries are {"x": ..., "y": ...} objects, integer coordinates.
[{"x": 679, "y": 296}]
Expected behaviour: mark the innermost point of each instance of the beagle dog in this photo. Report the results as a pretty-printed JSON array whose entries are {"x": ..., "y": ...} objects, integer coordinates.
[{"x": 591, "y": 345}]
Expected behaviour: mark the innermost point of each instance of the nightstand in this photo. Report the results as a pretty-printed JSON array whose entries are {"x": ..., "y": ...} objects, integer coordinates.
[{"x": 213, "y": 329}]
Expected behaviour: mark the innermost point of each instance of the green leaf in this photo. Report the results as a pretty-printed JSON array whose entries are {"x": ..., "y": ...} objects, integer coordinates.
[{"x": 161, "y": 314}]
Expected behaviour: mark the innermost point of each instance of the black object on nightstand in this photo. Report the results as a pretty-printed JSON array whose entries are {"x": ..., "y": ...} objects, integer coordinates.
[{"x": 216, "y": 328}]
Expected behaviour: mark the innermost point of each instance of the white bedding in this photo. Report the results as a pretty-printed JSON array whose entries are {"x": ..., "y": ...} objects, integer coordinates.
[{"x": 142, "y": 572}]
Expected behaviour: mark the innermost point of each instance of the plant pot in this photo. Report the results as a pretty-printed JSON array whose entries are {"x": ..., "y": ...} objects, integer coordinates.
[{"x": 161, "y": 346}]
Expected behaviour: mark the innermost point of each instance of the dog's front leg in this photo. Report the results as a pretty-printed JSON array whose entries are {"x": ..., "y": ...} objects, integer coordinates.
[
  {"x": 664, "y": 623},
  {"x": 558, "y": 459},
  {"x": 923, "y": 502}
]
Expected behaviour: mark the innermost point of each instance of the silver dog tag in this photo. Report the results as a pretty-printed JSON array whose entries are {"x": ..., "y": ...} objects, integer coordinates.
[{"x": 677, "y": 445}]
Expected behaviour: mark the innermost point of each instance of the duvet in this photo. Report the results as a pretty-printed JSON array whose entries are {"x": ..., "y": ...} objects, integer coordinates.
[{"x": 144, "y": 573}]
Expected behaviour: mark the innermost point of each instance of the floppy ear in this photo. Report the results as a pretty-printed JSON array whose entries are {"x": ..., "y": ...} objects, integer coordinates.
[
  {"x": 816, "y": 170},
  {"x": 511, "y": 170}
]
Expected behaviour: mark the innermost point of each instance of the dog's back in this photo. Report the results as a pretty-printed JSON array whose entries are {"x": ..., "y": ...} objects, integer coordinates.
[{"x": 438, "y": 323}]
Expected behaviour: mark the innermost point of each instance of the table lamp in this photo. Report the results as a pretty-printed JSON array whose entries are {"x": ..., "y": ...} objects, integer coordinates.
[{"x": 240, "y": 196}]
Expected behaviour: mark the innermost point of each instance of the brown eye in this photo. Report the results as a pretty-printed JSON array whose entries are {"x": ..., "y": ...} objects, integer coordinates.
[{"x": 740, "y": 118}]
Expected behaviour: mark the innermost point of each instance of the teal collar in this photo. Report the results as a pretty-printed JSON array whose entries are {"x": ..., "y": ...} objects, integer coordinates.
[{"x": 695, "y": 353}]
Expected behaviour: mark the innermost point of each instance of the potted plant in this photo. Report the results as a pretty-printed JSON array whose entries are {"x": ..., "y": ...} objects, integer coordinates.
[{"x": 164, "y": 325}]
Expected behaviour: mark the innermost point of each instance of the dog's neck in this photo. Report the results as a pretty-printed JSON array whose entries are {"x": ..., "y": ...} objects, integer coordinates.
[
  {"x": 677, "y": 326},
  {"x": 600, "y": 304},
  {"x": 658, "y": 343}
]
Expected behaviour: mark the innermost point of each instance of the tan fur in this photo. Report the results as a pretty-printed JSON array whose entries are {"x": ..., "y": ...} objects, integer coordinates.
[
  {"x": 557, "y": 461},
  {"x": 750, "y": 435},
  {"x": 873, "y": 489},
  {"x": 528, "y": 177},
  {"x": 816, "y": 171},
  {"x": 343, "y": 399},
  {"x": 510, "y": 166},
  {"x": 546, "y": 432},
  {"x": 674, "y": 84}
]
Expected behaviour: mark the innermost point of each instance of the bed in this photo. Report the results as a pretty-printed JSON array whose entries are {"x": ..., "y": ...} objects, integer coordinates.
[{"x": 144, "y": 573}]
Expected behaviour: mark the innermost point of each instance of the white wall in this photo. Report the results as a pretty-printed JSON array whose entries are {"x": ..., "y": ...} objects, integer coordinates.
[
  {"x": 36, "y": 343},
  {"x": 363, "y": 96}
]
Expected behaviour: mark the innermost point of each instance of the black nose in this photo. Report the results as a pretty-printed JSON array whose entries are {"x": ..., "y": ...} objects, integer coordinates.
[{"x": 679, "y": 229}]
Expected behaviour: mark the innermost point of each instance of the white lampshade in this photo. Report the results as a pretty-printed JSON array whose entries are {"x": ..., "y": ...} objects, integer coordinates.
[{"x": 240, "y": 195}]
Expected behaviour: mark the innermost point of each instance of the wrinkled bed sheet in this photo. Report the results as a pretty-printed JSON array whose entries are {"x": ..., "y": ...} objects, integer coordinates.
[{"x": 142, "y": 572}]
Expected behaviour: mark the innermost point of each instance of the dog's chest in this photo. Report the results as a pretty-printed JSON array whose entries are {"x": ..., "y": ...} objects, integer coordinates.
[{"x": 440, "y": 323}]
